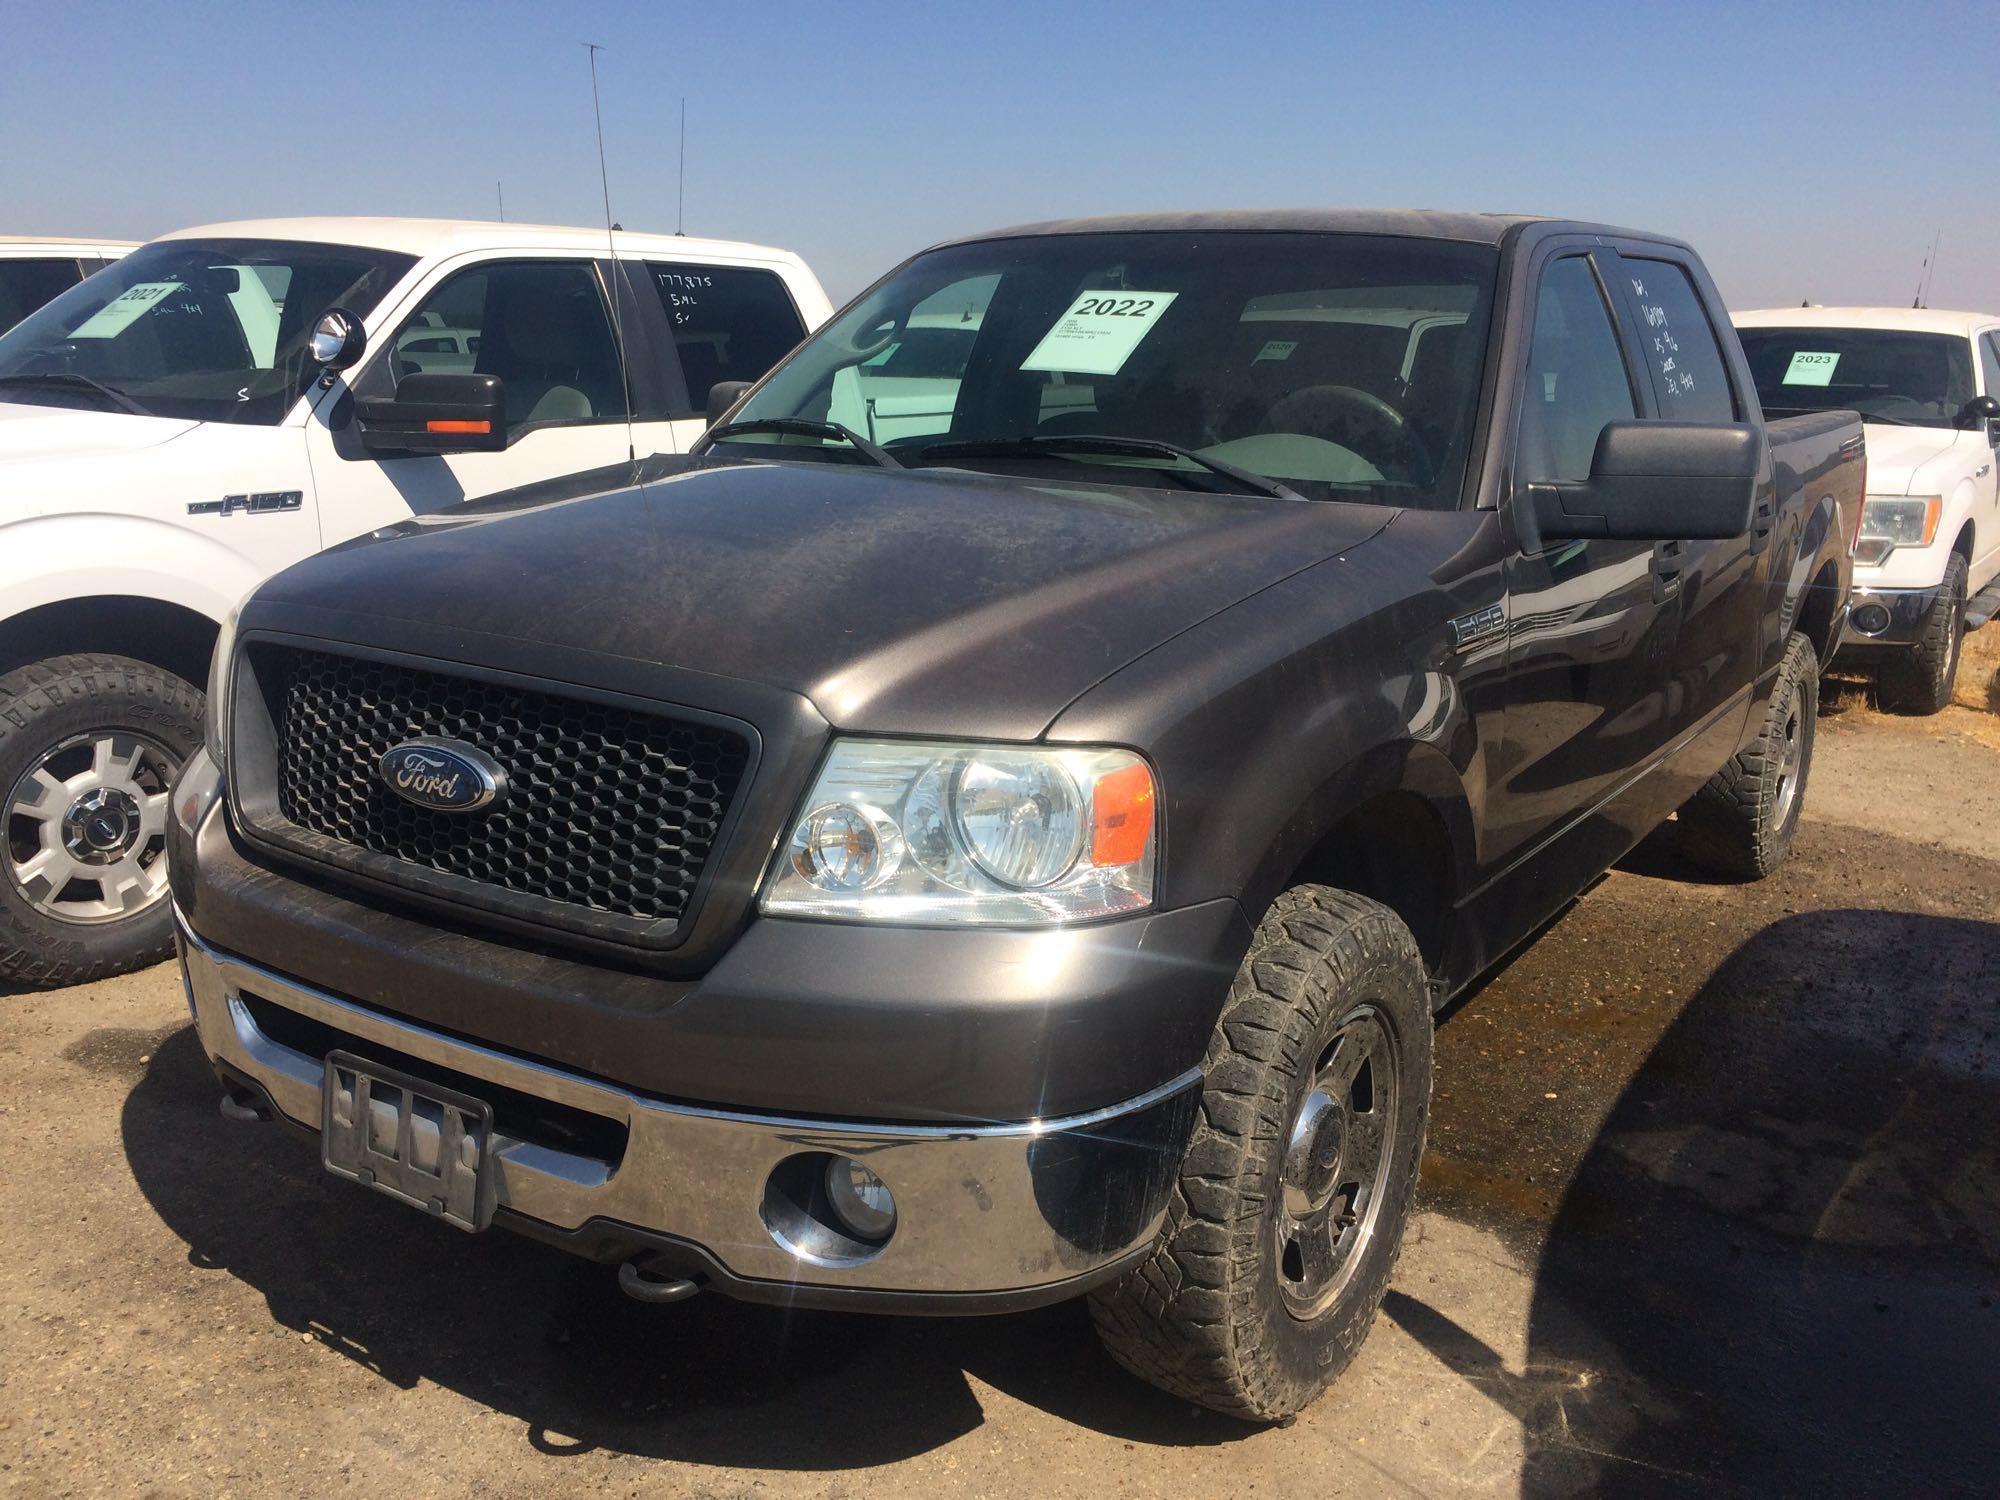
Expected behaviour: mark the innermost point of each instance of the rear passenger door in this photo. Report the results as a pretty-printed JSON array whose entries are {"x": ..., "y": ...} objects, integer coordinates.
[
  {"x": 710, "y": 323},
  {"x": 544, "y": 327},
  {"x": 1713, "y": 591}
]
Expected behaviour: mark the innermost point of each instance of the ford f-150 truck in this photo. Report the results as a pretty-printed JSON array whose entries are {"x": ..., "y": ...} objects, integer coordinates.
[
  {"x": 227, "y": 400},
  {"x": 32, "y": 271},
  {"x": 1927, "y": 560},
  {"x": 1017, "y": 852}
]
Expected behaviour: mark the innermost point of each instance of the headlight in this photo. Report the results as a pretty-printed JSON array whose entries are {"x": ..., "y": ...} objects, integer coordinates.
[
  {"x": 1892, "y": 521},
  {"x": 215, "y": 718},
  {"x": 986, "y": 835}
]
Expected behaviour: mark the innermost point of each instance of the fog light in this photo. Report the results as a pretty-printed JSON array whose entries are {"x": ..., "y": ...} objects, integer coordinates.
[
  {"x": 1871, "y": 619},
  {"x": 860, "y": 1200}
]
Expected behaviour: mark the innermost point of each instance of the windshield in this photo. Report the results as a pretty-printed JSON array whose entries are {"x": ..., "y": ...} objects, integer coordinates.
[
  {"x": 213, "y": 330},
  {"x": 1917, "y": 379},
  {"x": 1337, "y": 364}
]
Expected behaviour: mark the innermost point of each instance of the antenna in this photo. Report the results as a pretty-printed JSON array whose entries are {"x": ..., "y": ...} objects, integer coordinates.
[
  {"x": 500, "y": 193},
  {"x": 681, "y": 182},
  {"x": 604, "y": 180},
  {"x": 1929, "y": 270}
]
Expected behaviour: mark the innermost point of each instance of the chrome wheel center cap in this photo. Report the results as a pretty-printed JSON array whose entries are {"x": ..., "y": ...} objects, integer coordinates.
[
  {"x": 1313, "y": 1153},
  {"x": 101, "y": 825}
]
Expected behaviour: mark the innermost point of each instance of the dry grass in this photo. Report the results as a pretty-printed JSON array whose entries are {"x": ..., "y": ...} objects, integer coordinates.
[{"x": 1975, "y": 701}]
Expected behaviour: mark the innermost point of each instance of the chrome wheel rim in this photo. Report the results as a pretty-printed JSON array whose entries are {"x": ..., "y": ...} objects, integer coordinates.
[
  {"x": 1336, "y": 1162},
  {"x": 1791, "y": 754},
  {"x": 86, "y": 827}
]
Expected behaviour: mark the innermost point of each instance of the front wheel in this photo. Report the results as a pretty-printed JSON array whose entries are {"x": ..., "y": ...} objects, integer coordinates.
[
  {"x": 89, "y": 748},
  {"x": 1289, "y": 1211},
  {"x": 1919, "y": 678}
]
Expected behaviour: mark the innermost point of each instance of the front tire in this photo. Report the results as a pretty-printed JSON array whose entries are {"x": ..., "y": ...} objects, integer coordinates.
[
  {"x": 1920, "y": 679},
  {"x": 1289, "y": 1212},
  {"x": 89, "y": 748},
  {"x": 1742, "y": 822}
]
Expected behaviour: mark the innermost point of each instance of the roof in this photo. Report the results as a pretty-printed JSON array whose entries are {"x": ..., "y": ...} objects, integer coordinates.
[
  {"x": 42, "y": 244},
  {"x": 1476, "y": 228},
  {"x": 1908, "y": 319},
  {"x": 425, "y": 237}
]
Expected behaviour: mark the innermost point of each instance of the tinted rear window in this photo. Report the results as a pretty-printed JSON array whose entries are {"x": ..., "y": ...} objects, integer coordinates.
[{"x": 730, "y": 323}]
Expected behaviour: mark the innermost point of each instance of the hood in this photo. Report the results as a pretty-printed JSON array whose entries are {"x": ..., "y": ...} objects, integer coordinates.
[
  {"x": 1897, "y": 454},
  {"x": 924, "y": 603},
  {"x": 42, "y": 432}
]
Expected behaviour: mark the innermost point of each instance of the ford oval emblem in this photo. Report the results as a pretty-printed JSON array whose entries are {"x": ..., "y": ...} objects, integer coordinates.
[{"x": 443, "y": 775}]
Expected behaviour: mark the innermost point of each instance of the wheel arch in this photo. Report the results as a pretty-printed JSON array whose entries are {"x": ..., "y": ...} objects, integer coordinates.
[
  {"x": 1395, "y": 825},
  {"x": 157, "y": 631}
]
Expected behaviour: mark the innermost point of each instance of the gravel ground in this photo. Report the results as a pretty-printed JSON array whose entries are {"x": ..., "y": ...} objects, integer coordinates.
[{"x": 1712, "y": 1205}]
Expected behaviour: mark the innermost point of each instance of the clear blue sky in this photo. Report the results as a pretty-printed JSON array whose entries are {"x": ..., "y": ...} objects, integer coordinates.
[{"x": 1808, "y": 150}]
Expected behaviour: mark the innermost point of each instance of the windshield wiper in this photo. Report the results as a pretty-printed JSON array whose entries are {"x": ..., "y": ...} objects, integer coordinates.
[
  {"x": 807, "y": 427},
  {"x": 1059, "y": 443},
  {"x": 70, "y": 380}
]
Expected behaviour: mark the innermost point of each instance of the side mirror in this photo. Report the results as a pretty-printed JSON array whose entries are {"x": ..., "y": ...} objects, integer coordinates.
[
  {"x": 1980, "y": 411},
  {"x": 338, "y": 339},
  {"x": 1656, "y": 482},
  {"x": 723, "y": 395},
  {"x": 436, "y": 413}
]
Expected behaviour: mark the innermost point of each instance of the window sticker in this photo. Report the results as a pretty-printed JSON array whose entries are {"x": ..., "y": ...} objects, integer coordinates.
[
  {"x": 122, "y": 311},
  {"x": 1808, "y": 368},
  {"x": 1276, "y": 349},
  {"x": 1099, "y": 332}
]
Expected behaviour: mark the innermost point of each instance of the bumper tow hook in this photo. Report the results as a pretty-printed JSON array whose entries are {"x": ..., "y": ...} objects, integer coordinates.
[{"x": 640, "y": 1287}]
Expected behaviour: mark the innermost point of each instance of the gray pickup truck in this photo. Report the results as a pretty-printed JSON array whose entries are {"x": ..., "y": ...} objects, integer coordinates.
[{"x": 997, "y": 824}]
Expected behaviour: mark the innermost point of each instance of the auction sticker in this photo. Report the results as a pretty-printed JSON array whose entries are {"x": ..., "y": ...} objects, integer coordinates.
[
  {"x": 1811, "y": 369},
  {"x": 119, "y": 313},
  {"x": 1099, "y": 332}
]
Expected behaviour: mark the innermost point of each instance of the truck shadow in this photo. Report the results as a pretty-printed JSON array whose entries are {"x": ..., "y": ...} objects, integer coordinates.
[
  {"x": 549, "y": 1339},
  {"x": 1775, "y": 1267}
]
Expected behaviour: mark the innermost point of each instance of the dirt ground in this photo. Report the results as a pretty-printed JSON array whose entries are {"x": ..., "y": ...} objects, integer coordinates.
[{"x": 1712, "y": 1206}]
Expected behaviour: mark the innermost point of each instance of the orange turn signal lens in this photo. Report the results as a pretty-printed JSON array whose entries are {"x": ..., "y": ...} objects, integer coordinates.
[
  {"x": 454, "y": 426},
  {"x": 1121, "y": 816}
]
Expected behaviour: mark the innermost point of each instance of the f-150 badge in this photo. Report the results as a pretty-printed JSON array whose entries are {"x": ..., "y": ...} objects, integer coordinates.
[{"x": 256, "y": 505}]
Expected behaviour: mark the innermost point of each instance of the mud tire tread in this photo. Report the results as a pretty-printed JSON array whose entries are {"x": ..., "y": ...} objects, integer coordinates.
[{"x": 1192, "y": 1319}]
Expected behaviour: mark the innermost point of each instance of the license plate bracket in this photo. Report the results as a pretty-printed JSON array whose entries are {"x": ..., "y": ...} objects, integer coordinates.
[{"x": 422, "y": 1144}]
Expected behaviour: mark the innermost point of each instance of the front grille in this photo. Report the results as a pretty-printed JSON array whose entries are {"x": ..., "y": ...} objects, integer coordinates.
[{"x": 608, "y": 809}]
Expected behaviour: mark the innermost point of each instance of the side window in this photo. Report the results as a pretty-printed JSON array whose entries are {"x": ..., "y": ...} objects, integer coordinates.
[
  {"x": 1576, "y": 377},
  {"x": 1989, "y": 363},
  {"x": 540, "y": 326},
  {"x": 729, "y": 322},
  {"x": 1690, "y": 380}
]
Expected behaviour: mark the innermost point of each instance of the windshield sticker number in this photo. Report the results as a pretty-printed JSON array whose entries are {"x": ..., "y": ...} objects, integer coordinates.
[
  {"x": 1808, "y": 368},
  {"x": 123, "y": 310},
  {"x": 1098, "y": 332},
  {"x": 1276, "y": 349}
]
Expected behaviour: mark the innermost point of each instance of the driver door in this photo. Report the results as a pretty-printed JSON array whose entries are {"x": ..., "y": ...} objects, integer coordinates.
[{"x": 544, "y": 328}]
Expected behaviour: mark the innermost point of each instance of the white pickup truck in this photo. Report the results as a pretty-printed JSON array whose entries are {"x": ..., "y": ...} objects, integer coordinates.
[
  {"x": 227, "y": 400},
  {"x": 1927, "y": 559},
  {"x": 32, "y": 271}
]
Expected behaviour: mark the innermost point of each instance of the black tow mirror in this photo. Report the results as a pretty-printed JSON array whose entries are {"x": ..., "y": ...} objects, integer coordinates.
[
  {"x": 1655, "y": 482},
  {"x": 436, "y": 413},
  {"x": 723, "y": 395}
]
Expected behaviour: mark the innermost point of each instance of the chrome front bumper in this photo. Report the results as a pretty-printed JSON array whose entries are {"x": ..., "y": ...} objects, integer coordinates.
[
  {"x": 1889, "y": 617},
  {"x": 988, "y": 1217}
]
